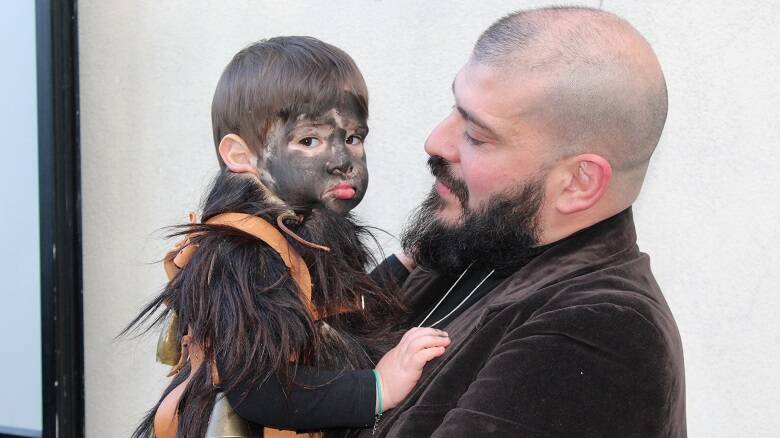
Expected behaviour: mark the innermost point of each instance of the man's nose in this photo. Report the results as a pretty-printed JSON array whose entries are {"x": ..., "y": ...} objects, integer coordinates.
[
  {"x": 340, "y": 163},
  {"x": 444, "y": 139}
]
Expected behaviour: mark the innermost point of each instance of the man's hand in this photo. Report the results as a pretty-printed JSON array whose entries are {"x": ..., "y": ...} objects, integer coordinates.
[{"x": 401, "y": 368}]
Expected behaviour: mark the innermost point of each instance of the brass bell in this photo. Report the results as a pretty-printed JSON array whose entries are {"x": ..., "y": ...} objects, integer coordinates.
[
  {"x": 225, "y": 423},
  {"x": 168, "y": 347}
]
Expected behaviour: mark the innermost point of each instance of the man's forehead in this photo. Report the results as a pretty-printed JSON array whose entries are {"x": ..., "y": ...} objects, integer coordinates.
[
  {"x": 499, "y": 92},
  {"x": 507, "y": 103}
]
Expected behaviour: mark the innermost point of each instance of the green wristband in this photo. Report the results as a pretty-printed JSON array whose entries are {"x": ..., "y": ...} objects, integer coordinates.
[{"x": 378, "y": 391}]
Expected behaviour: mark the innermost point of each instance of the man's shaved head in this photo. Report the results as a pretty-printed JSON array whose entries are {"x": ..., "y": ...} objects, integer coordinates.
[{"x": 604, "y": 89}]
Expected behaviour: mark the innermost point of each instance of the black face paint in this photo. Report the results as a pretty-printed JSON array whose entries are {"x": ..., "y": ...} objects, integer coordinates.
[{"x": 318, "y": 159}]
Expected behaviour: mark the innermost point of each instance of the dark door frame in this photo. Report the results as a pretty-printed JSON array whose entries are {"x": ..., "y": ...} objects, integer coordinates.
[{"x": 60, "y": 219}]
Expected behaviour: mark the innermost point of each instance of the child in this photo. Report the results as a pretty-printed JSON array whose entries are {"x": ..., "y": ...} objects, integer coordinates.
[{"x": 274, "y": 307}]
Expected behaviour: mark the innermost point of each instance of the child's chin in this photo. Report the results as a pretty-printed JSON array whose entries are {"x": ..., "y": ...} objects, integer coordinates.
[{"x": 340, "y": 206}]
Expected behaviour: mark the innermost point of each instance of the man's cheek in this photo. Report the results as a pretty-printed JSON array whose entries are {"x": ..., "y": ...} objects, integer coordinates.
[{"x": 481, "y": 182}]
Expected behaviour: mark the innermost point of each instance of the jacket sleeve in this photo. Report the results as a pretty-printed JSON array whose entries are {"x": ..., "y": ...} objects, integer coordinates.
[{"x": 590, "y": 370}]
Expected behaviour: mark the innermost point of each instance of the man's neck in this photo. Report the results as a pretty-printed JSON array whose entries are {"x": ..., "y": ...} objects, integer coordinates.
[{"x": 560, "y": 226}]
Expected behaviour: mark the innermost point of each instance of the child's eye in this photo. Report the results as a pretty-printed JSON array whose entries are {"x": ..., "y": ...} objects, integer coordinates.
[
  {"x": 310, "y": 142},
  {"x": 353, "y": 140}
]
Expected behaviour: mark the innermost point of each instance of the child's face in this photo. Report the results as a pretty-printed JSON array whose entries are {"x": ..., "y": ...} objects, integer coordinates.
[{"x": 318, "y": 159}]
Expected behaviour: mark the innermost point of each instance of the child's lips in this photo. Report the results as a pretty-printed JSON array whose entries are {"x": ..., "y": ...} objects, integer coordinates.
[{"x": 342, "y": 191}]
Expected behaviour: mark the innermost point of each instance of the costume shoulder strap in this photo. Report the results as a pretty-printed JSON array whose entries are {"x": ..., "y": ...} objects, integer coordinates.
[
  {"x": 259, "y": 228},
  {"x": 272, "y": 237}
]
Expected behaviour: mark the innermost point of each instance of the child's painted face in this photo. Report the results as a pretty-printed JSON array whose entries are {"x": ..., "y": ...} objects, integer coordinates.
[{"x": 318, "y": 159}]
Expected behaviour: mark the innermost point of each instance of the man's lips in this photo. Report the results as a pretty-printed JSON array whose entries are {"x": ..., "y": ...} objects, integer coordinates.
[
  {"x": 342, "y": 191},
  {"x": 443, "y": 189}
]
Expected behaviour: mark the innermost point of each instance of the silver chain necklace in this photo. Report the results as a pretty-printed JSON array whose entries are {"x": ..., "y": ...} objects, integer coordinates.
[{"x": 448, "y": 293}]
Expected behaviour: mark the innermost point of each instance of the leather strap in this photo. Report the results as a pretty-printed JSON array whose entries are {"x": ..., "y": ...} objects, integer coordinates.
[
  {"x": 183, "y": 250},
  {"x": 272, "y": 237},
  {"x": 166, "y": 418}
]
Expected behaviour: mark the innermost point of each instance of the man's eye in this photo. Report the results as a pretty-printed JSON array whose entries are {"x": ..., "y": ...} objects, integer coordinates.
[
  {"x": 310, "y": 142},
  {"x": 471, "y": 140},
  {"x": 354, "y": 139}
]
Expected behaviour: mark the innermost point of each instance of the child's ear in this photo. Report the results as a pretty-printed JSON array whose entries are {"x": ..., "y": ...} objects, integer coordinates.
[{"x": 237, "y": 155}]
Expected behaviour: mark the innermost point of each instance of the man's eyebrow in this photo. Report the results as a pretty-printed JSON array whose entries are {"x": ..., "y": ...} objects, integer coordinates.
[{"x": 471, "y": 118}]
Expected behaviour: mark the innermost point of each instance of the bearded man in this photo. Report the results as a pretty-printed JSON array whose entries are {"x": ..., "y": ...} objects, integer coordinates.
[{"x": 526, "y": 247}]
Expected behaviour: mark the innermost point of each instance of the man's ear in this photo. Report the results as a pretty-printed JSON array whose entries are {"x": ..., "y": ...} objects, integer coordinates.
[
  {"x": 237, "y": 155},
  {"x": 586, "y": 181}
]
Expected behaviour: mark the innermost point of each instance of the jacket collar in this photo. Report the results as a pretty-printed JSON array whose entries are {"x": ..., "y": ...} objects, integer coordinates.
[
  {"x": 577, "y": 254},
  {"x": 585, "y": 251}
]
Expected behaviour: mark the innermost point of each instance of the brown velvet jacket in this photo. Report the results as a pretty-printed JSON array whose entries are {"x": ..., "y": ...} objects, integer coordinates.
[{"x": 578, "y": 343}]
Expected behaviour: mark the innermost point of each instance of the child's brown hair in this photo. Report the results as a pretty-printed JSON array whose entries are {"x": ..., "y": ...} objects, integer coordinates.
[{"x": 279, "y": 79}]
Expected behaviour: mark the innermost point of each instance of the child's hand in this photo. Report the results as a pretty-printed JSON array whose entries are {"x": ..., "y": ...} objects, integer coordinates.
[
  {"x": 406, "y": 260},
  {"x": 401, "y": 368}
]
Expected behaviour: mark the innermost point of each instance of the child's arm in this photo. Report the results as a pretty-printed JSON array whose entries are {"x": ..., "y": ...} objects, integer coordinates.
[
  {"x": 391, "y": 273},
  {"x": 322, "y": 399},
  {"x": 318, "y": 399}
]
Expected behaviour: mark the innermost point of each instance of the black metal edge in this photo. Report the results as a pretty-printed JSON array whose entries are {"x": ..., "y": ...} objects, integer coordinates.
[{"x": 60, "y": 219}]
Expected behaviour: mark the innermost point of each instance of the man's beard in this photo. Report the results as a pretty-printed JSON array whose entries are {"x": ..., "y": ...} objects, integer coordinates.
[{"x": 499, "y": 234}]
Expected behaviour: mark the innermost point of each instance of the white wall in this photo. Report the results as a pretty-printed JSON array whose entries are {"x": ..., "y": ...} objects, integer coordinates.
[{"x": 709, "y": 215}]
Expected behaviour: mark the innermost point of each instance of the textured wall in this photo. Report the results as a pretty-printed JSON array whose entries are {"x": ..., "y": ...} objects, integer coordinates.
[{"x": 709, "y": 214}]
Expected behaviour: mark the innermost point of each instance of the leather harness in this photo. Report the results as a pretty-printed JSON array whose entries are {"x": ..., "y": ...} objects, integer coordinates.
[{"x": 166, "y": 417}]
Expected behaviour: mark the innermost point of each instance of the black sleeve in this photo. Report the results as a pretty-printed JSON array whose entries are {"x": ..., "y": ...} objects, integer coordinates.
[
  {"x": 390, "y": 272},
  {"x": 318, "y": 399}
]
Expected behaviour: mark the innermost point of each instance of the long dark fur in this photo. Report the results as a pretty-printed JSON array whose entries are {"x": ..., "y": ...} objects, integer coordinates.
[{"x": 244, "y": 308}]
